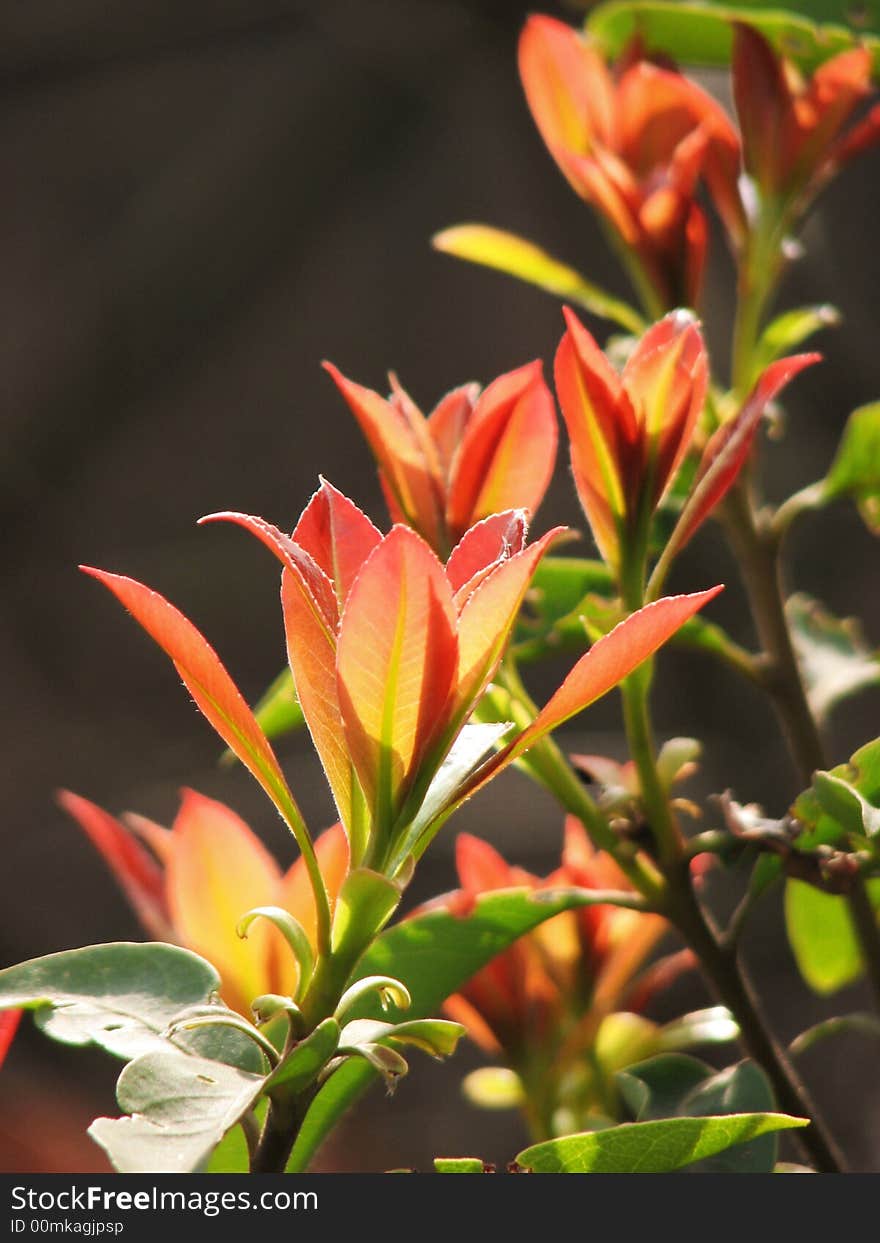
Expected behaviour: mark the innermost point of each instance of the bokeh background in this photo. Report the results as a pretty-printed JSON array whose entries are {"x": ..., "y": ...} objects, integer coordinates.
[{"x": 203, "y": 201}]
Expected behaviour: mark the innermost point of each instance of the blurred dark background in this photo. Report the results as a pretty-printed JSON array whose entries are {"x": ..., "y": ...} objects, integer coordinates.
[{"x": 202, "y": 202}]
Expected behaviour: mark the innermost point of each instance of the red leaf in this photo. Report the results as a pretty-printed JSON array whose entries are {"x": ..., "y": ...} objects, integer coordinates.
[
  {"x": 610, "y": 660},
  {"x": 315, "y": 580},
  {"x": 9, "y": 1021},
  {"x": 404, "y": 450},
  {"x": 137, "y": 872},
  {"x": 728, "y": 449},
  {"x": 487, "y": 542},
  {"x": 763, "y": 105},
  {"x": 507, "y": 452},
  {"x": 337, "y": 535},
  {"x": 447, "y": 422},
  {"x": 488, "y": 617}
]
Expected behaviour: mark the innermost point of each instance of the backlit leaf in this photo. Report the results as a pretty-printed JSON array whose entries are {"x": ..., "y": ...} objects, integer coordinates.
[
  {"x": 397, "y": 661},
  {"x": 701, "y": 33},
  {"x": 651, "y": 1147},
  {"x": 496, "y": 248},
  {"x": 855, "y": 471},
  {"x": 434, "y": 954},
  {"x": 208, "y": 682}
]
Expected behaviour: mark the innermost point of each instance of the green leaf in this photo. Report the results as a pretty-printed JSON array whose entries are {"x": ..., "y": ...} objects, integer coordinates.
[
  {"x": 505, "y": 252},
  {"x": 120, "y": 997},
  {"x": 472, "y": 747},
  {"x": 673, "y": 1085},
  {"x": 180, "y": 1107},
  {"x": 834, "y": 658},
  {"x": 337, "y": 1095},
  {"x": 822, "y": 938},
  {"x": 550, "y": 620},
  {"x": 859, "y": 1024},
  {"x": 839, "y": 809},
  {"x": 308, "y": 1058},
  {"x": 434, "y": 954},
  {"x": 740, "y": 1089},
  {"x": 231, "y": 1155},
  {"x": 494, "y": 1087},
  {"x": 862, "y": 773},
  {"x": 715, "y": 1025},
  {"x": 843, "y": 803},
  {"x": 436, "y": 1037},
  {"x": 651, "y": 1147},
  {"x": 655, "y": 1088},
  {"x": 855, "y": 470},
  {"x": 700, "y": 33},
  {"x": 366, "y": 902},
  {"x": 622, "y": 1039},
  {"x": 789, "y": 330},
  {"x": 459, "y": 1165}
]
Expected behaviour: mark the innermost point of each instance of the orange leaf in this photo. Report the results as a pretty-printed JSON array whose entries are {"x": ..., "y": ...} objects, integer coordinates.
[
  {"x": 567, "y": 85},
  {"x": 397, "y": 660},
  {"x": 291, "y": 555},
  {"x": 666, "y": 378},
  {"x": 214, "y": 692},
  {"x": 217, "y": 871},
  {"x": 312, "y": 654},
  {"x": 613, "y": 658}
]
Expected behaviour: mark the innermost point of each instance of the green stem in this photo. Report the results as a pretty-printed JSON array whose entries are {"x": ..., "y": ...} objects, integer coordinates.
[
  {"x": 647, "y": 295},
  {"x": 298, "y": 828},
  {"x": 640, "y": 737},
  {"x": 286, "y": 1114},
  {"x": 551, "y": 767},
  {"x": 759, "y": 272}
]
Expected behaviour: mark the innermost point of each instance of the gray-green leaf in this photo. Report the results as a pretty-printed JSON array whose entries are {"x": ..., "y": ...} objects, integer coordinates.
[
  {"x": 120, "y": 997},
  {"x": 180, "y": 1107},
  {"x": 834, "y": 658}
]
